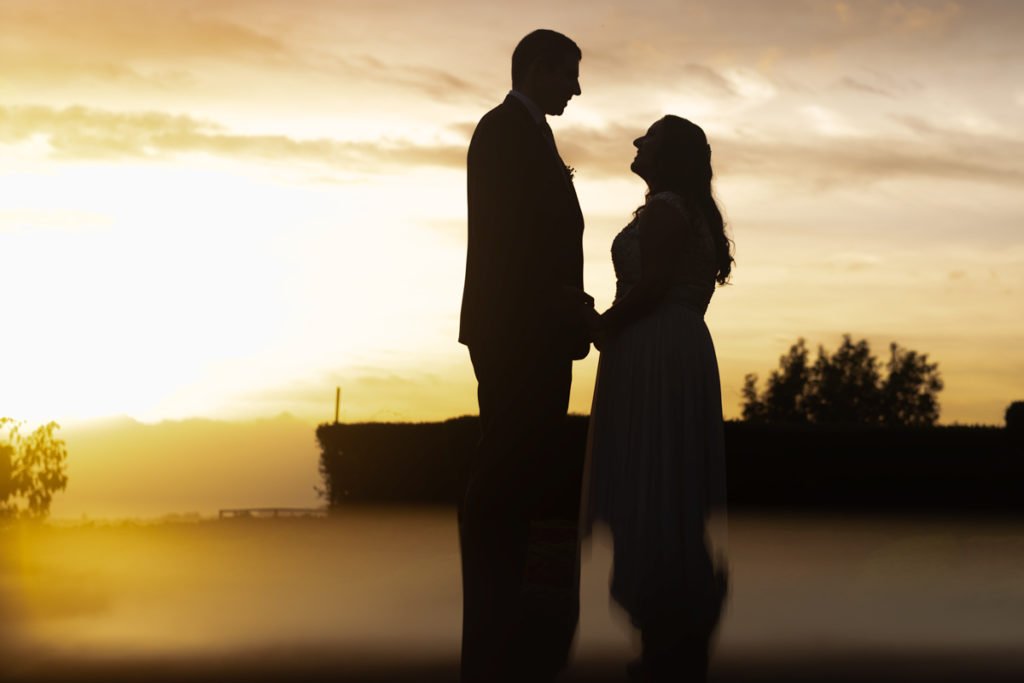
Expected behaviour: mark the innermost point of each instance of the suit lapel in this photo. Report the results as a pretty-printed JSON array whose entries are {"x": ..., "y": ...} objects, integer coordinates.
[{"x": 550, "y": 148}]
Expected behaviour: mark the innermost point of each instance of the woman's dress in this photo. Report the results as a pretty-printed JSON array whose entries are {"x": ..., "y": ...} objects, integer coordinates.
[{"x": 655, "y": 455}]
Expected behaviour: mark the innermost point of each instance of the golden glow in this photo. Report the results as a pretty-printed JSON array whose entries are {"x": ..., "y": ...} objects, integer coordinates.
[
  {"x": 241, "y": 595},
  {"x": 228, "y": 210}
]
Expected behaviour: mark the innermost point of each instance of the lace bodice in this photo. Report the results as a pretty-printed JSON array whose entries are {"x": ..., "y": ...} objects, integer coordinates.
[{"x": 693, "y": 281}]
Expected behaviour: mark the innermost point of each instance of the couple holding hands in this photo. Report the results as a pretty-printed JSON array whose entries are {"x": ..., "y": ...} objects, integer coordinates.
[{"x": 654, "y": 468}]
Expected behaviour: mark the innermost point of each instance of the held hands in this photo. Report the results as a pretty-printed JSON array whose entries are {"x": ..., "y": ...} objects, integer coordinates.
[
  {"x": 596, "y": 329},
  {"x": 569, "y": 298},
  {"x": 578, "y": 306}
]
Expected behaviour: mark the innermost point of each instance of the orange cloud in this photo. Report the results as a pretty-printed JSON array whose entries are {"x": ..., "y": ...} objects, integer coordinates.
[
  {"x": 82, "y": 133},
  {"x": 850, "y": 83},
  {"x": 823, "y": 162},
  {"x": 144, "y": 31},
  {"x": 916, "y": 16},
  {"x": 177, "y": 43},
  {"x": 55, "y": 42},
  {"x": 76, "y": 133}
]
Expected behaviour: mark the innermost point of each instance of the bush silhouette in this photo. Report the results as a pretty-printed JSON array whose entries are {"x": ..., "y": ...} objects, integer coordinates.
[{"x": 800, "y": 467}]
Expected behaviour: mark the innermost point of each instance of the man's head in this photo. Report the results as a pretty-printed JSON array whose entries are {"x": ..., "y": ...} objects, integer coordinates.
[{"x": 546, "y": 68}]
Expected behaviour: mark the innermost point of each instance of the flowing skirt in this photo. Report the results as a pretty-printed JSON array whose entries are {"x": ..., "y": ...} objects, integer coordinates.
[{"x": 655, "y": 470}]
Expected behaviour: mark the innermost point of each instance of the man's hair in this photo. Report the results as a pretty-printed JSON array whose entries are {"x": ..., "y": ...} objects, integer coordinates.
[{"x": 544, "y": 46}]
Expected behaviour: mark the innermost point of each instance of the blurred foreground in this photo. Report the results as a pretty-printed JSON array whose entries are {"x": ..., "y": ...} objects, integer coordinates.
[{"x": 373, "y": 595}]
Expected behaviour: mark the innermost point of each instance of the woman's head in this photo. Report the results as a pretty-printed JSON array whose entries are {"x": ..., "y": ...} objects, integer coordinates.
[{"x": 674, "y": 155}]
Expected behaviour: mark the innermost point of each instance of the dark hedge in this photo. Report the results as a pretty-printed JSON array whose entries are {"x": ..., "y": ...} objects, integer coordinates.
[{"x": 930, "y": 469}]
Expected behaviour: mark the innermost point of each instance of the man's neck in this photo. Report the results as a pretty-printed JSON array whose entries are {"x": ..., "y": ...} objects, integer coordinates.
[{"x": 530, "y": 104}]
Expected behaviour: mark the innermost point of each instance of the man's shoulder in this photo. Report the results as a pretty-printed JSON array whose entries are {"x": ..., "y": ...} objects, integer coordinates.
[{"x": 508, "y": 115}]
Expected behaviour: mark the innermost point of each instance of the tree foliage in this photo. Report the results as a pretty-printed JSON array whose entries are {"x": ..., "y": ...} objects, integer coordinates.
[
  {"x": 33, "y": 467},
  {"x": 847, "y": 387},
  {"x": 1015, "y": 417}
]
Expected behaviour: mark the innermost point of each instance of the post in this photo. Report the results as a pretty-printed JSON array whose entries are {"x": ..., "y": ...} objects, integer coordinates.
[{"x": 337, "y": 403}]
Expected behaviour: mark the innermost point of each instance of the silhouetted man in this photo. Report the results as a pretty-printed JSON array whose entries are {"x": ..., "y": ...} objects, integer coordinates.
[{"x": 522, "y": 318}]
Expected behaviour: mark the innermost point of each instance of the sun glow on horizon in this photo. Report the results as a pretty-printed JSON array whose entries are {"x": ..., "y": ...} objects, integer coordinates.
[{"x": 228, "y": 211}]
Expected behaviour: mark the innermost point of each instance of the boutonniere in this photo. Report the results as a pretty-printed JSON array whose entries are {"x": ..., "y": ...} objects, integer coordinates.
[{"x": 570, "y": 171}]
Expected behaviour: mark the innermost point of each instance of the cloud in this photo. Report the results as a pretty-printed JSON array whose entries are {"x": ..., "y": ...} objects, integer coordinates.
[
  {"x": 840, "y": 161},
  {"x": 709, "y": 80},
  {"x": 81, "y": 133},
  {"x": 57, "y": 41},
  {"x": 177, "y": 43},
  {"x": 751, "y": 85},
  {"x": 76, "y": 133},
  {"x": 828, "y": 122},
  {"x": 773, "y": 33},
  {"x": 429, "y": 80},
  {"x": 55, "y": 69},
  {"x": 824, "y": 161},
  {"x": 849, "y": 83},
  {"x": 921, "y": 16},
  {"x": 964, "y": 132},
  {"x": 152, "y": 30},
  {"x": 854, "y": 261}
]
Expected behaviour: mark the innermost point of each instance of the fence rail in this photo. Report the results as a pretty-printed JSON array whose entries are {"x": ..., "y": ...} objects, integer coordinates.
[{"x": 244, "y": 513}]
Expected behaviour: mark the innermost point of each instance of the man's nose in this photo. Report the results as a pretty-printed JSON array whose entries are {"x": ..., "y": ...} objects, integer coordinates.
[
  {"x": 636, "y": 143},
  {"x": 577, "y": 90}
]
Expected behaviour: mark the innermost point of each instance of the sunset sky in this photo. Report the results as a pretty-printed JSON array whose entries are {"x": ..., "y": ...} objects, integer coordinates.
[{"x": 226, "y": 209}]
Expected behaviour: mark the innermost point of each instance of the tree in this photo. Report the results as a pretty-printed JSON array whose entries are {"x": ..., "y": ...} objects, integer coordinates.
[
  {"x": 844, "y": 388},
  {"x": 910, "y": 392},
  {"x": 783, "y": 399},
  {"x": 32, "y": 468},
  {"x": 1015, "y": 417},
  {"x": 847, "y": 387}
]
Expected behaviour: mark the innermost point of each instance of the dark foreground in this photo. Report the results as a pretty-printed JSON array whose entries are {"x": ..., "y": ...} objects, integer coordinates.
[
  {"x": 319, "y": 666},
  {"x": 373, "y": 597}
]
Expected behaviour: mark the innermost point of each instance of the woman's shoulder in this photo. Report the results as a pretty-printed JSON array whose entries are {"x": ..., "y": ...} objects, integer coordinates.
[
  {"x": 689, "y": 208},
  {"x": 666, "y": 209},
  {"x": 669, "y": 198},
  {"x": 672, "y": 208}
]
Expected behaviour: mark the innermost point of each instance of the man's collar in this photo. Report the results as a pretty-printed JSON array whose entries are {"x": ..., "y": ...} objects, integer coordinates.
[{"x": 531, "y": 107}]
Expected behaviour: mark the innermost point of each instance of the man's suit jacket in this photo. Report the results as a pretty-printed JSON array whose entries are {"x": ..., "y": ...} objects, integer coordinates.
[{"x": 525, "y": 237}]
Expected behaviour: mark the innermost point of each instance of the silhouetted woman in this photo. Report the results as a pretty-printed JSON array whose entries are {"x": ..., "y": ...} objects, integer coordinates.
[{"x": 656, "y": 467}]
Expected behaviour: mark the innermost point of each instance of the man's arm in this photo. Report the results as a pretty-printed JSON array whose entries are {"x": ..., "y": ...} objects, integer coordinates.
[{"x": 505, "y": 205}]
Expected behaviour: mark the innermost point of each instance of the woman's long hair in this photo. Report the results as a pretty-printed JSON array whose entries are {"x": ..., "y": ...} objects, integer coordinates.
[{"x": 683, "y": 165}]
